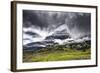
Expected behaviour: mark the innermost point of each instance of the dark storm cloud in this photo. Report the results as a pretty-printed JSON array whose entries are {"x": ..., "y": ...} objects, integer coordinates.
[
  {"x": 81, "y": 21},
  {"x": 50, "y": 20},
  {"x": 31, "y": 18},
  {"x": 43, "y": 19}
]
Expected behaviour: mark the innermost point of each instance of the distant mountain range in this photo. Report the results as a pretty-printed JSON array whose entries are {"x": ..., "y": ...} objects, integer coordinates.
[{"x": 59, "y": 37}]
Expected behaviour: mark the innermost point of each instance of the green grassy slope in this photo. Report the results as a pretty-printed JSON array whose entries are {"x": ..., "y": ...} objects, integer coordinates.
[{"x": 58, "y": 55}]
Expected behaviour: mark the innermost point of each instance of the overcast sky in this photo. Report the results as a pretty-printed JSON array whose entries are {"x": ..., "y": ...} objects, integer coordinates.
[{"x": 77, "y": 23}]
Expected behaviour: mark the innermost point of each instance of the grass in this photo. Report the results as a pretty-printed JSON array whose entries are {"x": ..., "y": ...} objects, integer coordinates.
[{"x": 57, "y": 55}]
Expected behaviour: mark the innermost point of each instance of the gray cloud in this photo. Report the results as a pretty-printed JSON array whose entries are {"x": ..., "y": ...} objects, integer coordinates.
[{"x": 78, "y": 23}]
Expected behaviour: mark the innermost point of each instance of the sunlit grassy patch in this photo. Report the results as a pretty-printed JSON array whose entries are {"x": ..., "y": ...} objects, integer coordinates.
[{"x": 56, "y": 55}]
